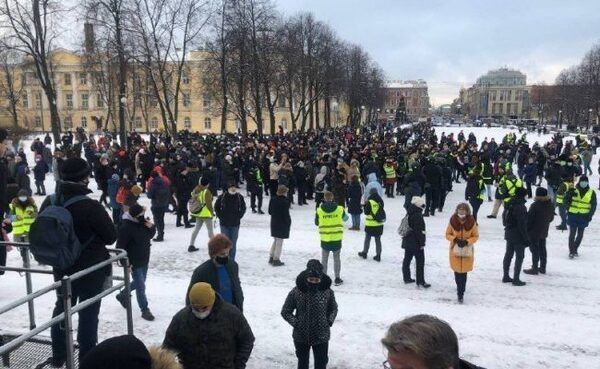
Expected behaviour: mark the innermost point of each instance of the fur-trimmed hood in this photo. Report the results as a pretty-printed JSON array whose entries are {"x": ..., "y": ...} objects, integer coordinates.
[
  {"x": 163, "y": 358},
  {"x": 458, "y": 225}
]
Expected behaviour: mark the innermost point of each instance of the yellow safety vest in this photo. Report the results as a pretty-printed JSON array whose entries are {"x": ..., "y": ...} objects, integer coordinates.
[
  {"x": 580, "y": 204},
  {"x": 370, "y": 221},
  {"x": 389, "y": 170},
  {"x": 560, "y": 196},
  {"x": 21, "y": 226},
  {"x": 482, "y": 191},
  {"x": 331, "y": 225},
  {"x": 204, "y": 212},
  {"x": 511, "y": 187}
]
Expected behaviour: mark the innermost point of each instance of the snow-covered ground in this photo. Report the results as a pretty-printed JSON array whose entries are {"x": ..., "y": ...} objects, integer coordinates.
[{"x": 553, "y": 322}]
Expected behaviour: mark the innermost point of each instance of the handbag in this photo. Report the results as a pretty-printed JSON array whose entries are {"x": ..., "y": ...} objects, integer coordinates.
[{"x": 462, "y": 249}]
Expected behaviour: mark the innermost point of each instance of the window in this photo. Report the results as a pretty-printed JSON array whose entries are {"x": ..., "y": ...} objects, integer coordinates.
[
  {"x": 185, "y": 79},
  {"x": 493, "y": 96},
  {"x": 501, "y": 95},
  {"x": 83, "y": 122},
  {"x": 187, "y": 123},
  {"x": 154, "y": 123},
  {"x": 69, "y": 101},
  {"x": 509, "y": 95},
  {"x": 99, "y": 101},
  {"x": 186, "y": 100},
  {"x": 67, "y": 79},
  {"x": 508, "y": 108},
  {"x": 206, "y": 101},
  {"x": 85, "y": 101},
  {"x": 83, "y": 79},
  {"x": 68, "y": 123},
  {"x": 501, "y": 109},
  {"x": 137, "y": 122},
  {"x": 238, "y": 124},
  {"x": 207, "y": 123},
  {"x": 281, "y": 102},
  {"x": 25, "y": 101},
  {"x": 38, "y": 122},
  {"x": 38, "y": 100}
]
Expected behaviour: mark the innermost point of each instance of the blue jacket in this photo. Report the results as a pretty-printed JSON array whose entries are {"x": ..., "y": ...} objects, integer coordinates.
[
  {"x": 372, "y": 183},
  {"x": 530, "y": 172},
  {"x": 113, "y": 189}
]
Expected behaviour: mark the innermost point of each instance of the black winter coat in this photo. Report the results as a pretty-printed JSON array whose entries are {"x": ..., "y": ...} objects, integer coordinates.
[
  {"x": 433, "y": 175},
  {"x": 281, "y": 222},
  {"x": 159, "y": 193},
  {"x": 315, "y": 311},
  {"x": 223, "y": 340},
  {"x": 355, "y": 193},
  {"x": 39, "y": 170},
  {"x": 412, "y": 189},
  {"x": 415, "y": 238},
  {"x": 207, "y": 272},
  {"x": 134, "y": 237},
  {"x": 539, "y": 217},
  {"x": 373, "y": 231},
  {"x": 230, "y": 209},
  {"x": 89, "y": 220},
  {"x": 515, "y": 229}
]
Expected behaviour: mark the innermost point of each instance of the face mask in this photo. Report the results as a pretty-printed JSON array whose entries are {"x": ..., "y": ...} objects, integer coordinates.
[
  {"x": 222, "y": 260},
  {"x": 231, "y": 192},
  {"x": 201, "y": 314},
  {"x": 462, "y": 216},
  {"x": 583, "y": 184},
  {"x": 22, "y": 198}
]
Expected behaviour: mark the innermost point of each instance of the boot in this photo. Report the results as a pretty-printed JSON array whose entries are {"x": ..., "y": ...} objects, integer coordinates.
[
  {"x": 491, "y": 216},
  {"x": 542, "y": 270},
  {"x": 260, "y": 212},
  {"x": 338, "y": 281},
  {"x": 362, "y": 254},
  {"x": 278, "y": 263},
  {"x": 253, "y": 211},
  {"x": 409, "y": 281},
  {"x": 507, "y": 279},
  {"x": 561, "y": 227},
  {"x": 518, "y": 283},
  {"x": 193, "y": 248},
  {"x": 147, "y": 315},
  {"x": 121, "y": 298},
  {"x": 423, "y": 285},
  {"x": 377, "y": 258},
  {"x": 187, "y": 226},
  {"x": 426, "y": 214},
  {"x": 160, "y": 238},
  {"x": 270, "y": 260},
  {"x": 532, "y": 271},
  {"x": 460, "y": 298}
]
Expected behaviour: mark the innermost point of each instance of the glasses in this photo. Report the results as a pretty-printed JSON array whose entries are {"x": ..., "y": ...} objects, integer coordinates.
[{"x": 386, "y": 365}]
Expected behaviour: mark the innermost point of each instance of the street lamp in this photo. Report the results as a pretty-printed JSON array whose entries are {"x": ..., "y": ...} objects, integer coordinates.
[
  {"x": 362, "y": 114},
  {"x": 589, "y": 119},
  {"x": 559, "y": 122}
]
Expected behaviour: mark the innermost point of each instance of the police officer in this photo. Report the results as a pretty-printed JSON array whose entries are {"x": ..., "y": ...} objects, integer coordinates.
[
  {"x": 581, "y": 202},
  {"x": 330, "y": 219},
  {"x": 390, "y": 177},
  {"x": 565, "y": 186},
  {"x": 255, "y": 186},
  {"x": 373, "y": 224}
]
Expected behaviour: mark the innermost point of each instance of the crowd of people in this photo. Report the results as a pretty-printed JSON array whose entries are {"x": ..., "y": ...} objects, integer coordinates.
[{"x": 347, "y": 173}]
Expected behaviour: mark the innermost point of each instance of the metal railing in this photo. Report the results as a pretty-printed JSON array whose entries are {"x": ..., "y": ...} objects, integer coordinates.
[{"x": 65, "y": 292}]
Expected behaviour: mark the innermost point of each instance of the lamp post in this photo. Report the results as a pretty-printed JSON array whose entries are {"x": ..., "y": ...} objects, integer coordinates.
[
  {"x": 123, "y": 101},
  {"x": 589, "y": 119},
  {"x": 362, "y": 115},
  {"x": 540, "y": 117},
  {"x": 559, "y": 121}
]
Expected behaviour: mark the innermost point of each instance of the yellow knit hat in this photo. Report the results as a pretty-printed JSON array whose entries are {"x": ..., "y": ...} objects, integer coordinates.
[{"x": 202, "y": 295}]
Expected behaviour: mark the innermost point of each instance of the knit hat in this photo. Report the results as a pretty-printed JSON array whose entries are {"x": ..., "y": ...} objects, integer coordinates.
[
  {"x": 202, "y": 295},
  {"x": 217, "y": 244},
  {"x": 204, "y": 181},
  {"x": 136, "y": 190},
  {"x": 75, "y": 170},
  {"x": 520, "y": 192},
  {"x": 122, "y": 352},
  {"x": 22, "y": 192},
  {"x": 115, "y": 177},
  {"x": 314, "y": 269},
  {"x": 541, "y": 192},
  {"x": 136, "y": 210},
  {"x": 418, "y": 201}
]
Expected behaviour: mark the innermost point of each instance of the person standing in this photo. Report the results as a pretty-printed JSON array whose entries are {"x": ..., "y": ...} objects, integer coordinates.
[
  {"x": 515, "y": 234},
  {"x": 205, "y": 212},
  {"x": 185, "y": 181},
  {"x": 475, "y": 191},
  {"x": 433, "y": 184},
  {"x": 158, "y": 190},
  {"x": 539, "y": 217},
  {"x": 255, "y": 186},
  {"x": 274, "y": 169},
  {"x": 330, "y": 218},
  {"x": 230, "y": 208},
  {"x": 563, "y": 188},
  {"x": 39, "y": 172},
  {"x": 112, "y": 191},
  {"x": 310, "y": 308},
  {"x": 209, "y": 332},
  {"x": 322, "y": 185},
  {"x": 23, "y": 212},
  {"x": 413, "y": 243},
  {"x": 355, "y": 194},
  {"x": 221, "y": 272},
  {"x": 462, "y": 232},
  {"x": 581, "y": 204},
  {"x": 281, "y": 222},
  {"x": 375, "y": 217},
  {"x": 135, "y": 234},
  {"x": 389, "y": 168}
]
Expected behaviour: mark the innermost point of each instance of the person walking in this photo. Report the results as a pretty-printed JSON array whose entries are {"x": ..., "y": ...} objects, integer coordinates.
[
  {"x": 135, "y": 234},
  {"x": 310, "y": 308},
  {"x": 204, "y": 213},
  {"x": 281, "y": 222},
  {"x": 330, "y": 218},
  {"x": 539, "y": 217},
  {"x": 563, "y": 188},
  {"x": 581, "y": 204},
  {"x": 463, "y": 233},
  {"x": 355, "y": 194},
  {"x": 209, "y": 332},
  {"x": 158, "y": 190},
  {"x": 515, "y": 234},
  {"x": 413, "y": 243},
  {"x": 39, "y": 172},
  {"x": 230, "y": 208},
  {"x": 23, "y": 212},
  {"x": 112, "y": 191},
  {"x": 475, "y": 191},
  {"x": 375, "y": 217},
  {"x": 221, "y": 272}
]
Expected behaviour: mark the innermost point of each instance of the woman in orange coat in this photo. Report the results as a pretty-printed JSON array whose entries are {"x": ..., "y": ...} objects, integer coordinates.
[{"x": 462, "y": 233}]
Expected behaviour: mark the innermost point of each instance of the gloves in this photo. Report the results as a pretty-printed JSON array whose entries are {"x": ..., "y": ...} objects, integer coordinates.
[{"x": 461, "y": 243}]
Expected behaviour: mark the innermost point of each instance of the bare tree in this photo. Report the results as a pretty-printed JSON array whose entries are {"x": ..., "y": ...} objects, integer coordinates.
[{"x": 11, "y": 89}]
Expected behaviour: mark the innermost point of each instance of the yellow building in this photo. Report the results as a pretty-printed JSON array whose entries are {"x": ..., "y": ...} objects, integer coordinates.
[{"x": 82, "y": 101}]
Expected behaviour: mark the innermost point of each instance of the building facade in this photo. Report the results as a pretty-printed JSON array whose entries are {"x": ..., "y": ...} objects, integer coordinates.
[
  {"x": 416, "y": 98},
  {"x": 499, "y": 94},
  {"x": 85, "y": 100}
]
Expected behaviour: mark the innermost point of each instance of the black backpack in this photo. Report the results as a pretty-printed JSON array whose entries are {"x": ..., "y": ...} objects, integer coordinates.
[{"x": 52, "y": 238}]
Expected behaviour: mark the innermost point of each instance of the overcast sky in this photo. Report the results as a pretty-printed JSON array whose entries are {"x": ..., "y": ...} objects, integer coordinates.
[{"x": 450, "y": 43}]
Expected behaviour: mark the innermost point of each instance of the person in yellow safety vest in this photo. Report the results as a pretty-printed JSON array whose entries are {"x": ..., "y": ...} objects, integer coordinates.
[
  {"x": 23, "y": 212},
  {"x": 509, "y": 185},
  {"x": 330, "y": 218},
  {"x": 563, "y": 188},
  {"x": 374, "y": 210},
  {"x": 581, "y": 202},
  {"x": 475, "y": 191},
  {"x": 206, "y": 213},
  {"x": 389, "y": 168}
]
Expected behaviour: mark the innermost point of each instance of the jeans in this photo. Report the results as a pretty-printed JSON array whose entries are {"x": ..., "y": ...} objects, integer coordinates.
[
  {"x": 538, "y": 254},
  {"x": 519, "y": 252},
  {"x": 199, "y": 222},
  {"x": 475, "y": 204},
  {"x": 419, "y": 256},
  {"x": 587, "y": 168},
  {"x": 139, "y": 285},
  {"x": 337, "y": 263},
  {"x": 355, "y": 220},
  {"x": 40, "y": 188},
  {"x": 575, "y": 237},
  {"x": 253, "y": 197},
  {"x": 87, "y": 331},
  {"x": 159, "y": 219},
  {"x": 232, "y": 234},
  {"x": 461, "y": 283},
  {"x": 116, "y": 215},
  {"x": 320, "y": 353},
  {"x": 368, "y": 244},
  {"x": 562, "y": 211}
]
